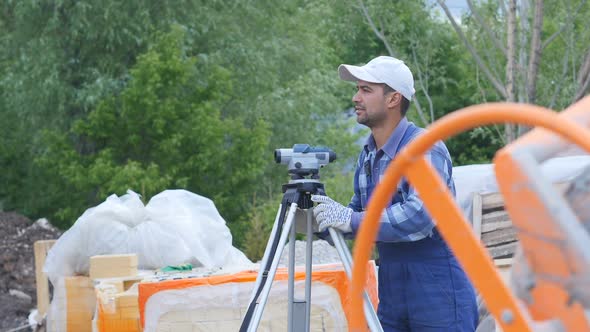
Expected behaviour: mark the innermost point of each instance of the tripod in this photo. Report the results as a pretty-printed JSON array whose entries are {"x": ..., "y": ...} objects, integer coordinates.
[{"x": 297, "y": 195}]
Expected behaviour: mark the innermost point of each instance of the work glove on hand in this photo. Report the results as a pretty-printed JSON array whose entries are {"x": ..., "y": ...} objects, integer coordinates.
[{"x": 331, "y": 214}]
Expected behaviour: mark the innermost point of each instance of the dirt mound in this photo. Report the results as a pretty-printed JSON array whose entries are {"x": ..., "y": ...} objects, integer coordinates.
[{"x": 17, "y": 265}]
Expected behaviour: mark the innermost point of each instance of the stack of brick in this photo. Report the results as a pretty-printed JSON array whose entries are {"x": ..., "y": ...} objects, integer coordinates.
[
  {"x": 120, "y": 313},
  {"x": 117, "y": 304},
  {"x": 80, "y": 303},
  {"x": 112, "y": 266},
  {"x": 74, "y": 300}
]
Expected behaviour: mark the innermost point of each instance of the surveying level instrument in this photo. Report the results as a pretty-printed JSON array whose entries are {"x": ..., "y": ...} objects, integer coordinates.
[{"x": 304, "y": 163}]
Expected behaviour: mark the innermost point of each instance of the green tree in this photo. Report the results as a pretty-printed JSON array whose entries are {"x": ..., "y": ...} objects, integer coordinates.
[
  {"x": 431, "y": 50},
  {"x": 527, "y": 51},
  {"x": 164, "y": 130},
  {"x": 88, "y": 49},
  {"x": 59, "y": 59},
  {"x": 274, "y": 68}
]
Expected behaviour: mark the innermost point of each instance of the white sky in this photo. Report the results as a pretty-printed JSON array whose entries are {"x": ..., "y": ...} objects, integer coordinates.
[{"x": 457, "y": 7}]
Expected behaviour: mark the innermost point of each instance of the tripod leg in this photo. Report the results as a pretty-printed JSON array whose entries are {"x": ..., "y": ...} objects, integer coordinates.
[
  {"x": 267, "y": 252},
  {"x": 273, "y": 269},
  {"x": 346, "y": 258},
  {"x": 308, "y": 268},
  {"x": 300, "y": 310},
  {"x": 291, "y": 280}
]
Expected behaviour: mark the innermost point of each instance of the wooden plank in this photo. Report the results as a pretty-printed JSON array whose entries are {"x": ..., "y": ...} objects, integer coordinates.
[
  {"x": 496, "y": 216},
  {"x": 503, "y": 262},
  {"x": 489, "y": 227},
  {"x": 495, "y": 228},
  {"x": 476, "y": 214},
  {"x": 492, "y": 201},
  {"x": 505, "y": 272},
  {"x": 41, "y": 248},
  {"x": 503, "y": 250},
  {"x": 499, "y": 236}
]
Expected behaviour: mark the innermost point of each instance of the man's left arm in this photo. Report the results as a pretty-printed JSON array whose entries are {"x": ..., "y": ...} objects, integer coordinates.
[{"x": 408, "y": 220}]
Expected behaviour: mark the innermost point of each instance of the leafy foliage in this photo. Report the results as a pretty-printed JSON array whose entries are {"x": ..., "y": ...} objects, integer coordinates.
[
  {"x": 58, "y": 60},
  {"x": 98, "y": 97},
  {"x": 164, "y": 130}
]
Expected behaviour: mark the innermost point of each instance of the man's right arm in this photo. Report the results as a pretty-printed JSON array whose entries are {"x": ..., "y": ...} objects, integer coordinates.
[{"x": 408, "y": 220}]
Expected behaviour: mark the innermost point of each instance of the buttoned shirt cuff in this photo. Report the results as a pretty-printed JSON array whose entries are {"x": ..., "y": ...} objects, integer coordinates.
[{"x": 355, "y": 221}]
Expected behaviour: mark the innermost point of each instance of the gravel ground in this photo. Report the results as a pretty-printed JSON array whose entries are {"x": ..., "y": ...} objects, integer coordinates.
[
  {"x": 17, "y": 267},
  {"x": 322, "y": 253}
]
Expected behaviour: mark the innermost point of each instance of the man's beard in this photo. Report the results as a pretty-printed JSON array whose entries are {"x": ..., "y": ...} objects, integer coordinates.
[{"x": 370, "y": 120}]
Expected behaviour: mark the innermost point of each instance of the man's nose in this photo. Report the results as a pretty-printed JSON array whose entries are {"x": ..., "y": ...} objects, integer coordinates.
[{"x": 356, "y": 98}]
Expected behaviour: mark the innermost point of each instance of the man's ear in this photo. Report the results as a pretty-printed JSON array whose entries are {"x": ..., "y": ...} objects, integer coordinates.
[{"x": 393, "y": 99}]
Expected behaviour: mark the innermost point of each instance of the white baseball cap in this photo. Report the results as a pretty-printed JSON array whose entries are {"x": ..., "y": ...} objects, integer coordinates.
[{"x": 382, "y": 69}]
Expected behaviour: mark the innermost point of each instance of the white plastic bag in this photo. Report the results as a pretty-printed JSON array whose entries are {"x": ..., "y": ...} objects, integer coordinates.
[
  {"x": 471, "y": 179},
  {"x": 198, "y": 224},
  {"x": 175, "y": 227}
]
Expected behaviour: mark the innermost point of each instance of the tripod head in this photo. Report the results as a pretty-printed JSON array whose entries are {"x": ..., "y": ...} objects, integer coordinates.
[
  {"x": 304, "y": 164},
  {"x": 304, "y": 160}
]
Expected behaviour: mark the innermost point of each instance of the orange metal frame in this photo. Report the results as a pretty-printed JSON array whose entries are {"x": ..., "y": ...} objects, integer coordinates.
[
  {"x": 450, "y": 221},
  {"x": 553, "y": 239}
]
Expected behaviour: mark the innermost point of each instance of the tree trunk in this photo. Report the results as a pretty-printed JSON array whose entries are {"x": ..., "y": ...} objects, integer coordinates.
[
  {"x": 536, "y": 49},
  {"x": 509, "y": 131},
  {"x": 480, "y": 63},
  {"x": 583, "y": 78}
]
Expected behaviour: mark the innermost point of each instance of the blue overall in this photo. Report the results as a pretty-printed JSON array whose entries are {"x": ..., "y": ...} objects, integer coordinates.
[
  {"x": 423, "y": 288},
  {"x": 421, "y": 285}
]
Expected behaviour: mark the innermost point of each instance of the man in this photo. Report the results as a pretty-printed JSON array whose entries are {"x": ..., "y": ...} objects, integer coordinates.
[{"x": 422, "y": 287}]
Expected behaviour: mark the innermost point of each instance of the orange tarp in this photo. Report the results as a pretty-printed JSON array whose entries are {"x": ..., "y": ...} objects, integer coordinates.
[{"x": 331, "y": 274}]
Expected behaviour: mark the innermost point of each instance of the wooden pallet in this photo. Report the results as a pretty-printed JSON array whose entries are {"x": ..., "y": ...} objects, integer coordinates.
[
  {"x": 492, "y": 224},
  {"x": 41, "y": 248}
]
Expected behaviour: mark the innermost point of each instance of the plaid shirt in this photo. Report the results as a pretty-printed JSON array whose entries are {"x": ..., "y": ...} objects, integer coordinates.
[{"x": 405, "y": 218}]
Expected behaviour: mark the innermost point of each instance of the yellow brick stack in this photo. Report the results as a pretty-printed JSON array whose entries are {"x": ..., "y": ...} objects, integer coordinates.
[
  {"x": 111, "y": 266},
  {"x": 122, "y": 317},
  {"x": 118, "y": 306},
  {"x": 80, "y": 304}
]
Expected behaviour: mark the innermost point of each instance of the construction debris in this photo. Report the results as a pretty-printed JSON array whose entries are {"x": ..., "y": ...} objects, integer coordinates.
[{"x": 17, "y": 267}]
